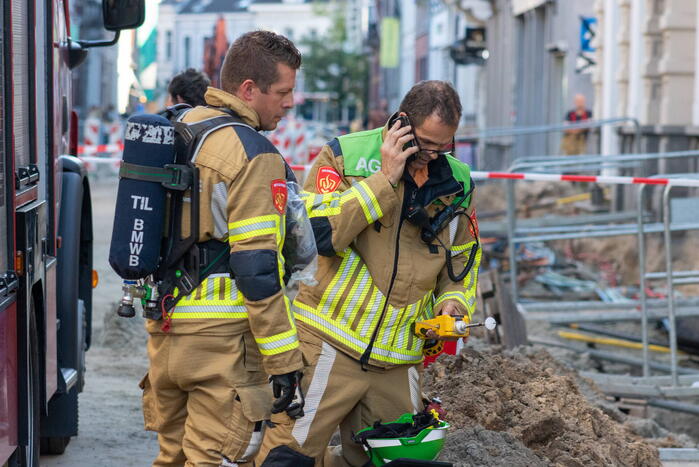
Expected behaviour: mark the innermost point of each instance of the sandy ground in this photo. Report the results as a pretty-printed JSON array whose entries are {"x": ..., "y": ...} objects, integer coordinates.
[{"x": 111, "y": 423}]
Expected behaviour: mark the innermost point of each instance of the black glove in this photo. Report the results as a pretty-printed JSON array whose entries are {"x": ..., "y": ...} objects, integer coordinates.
[{"x": 288, "y": 394}]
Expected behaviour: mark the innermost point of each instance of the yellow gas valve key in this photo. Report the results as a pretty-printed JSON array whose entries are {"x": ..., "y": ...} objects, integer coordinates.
[{"x": 450, "y": 326}]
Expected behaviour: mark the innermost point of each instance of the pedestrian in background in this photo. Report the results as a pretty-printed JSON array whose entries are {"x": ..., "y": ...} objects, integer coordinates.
[
  {"x": 574, "y": 141},
  {"x": 188, "y": 88}
]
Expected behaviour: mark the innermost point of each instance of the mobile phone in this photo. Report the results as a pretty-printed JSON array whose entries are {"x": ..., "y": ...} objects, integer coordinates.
[{"x": 405, "y": 121}]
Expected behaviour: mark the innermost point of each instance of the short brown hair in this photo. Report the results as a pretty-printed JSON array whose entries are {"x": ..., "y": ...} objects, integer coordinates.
[
  {"x": 255, "y": 56},
  {"x": 432, "y": 97}
]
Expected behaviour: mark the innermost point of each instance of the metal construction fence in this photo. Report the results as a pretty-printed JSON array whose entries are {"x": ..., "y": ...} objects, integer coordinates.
[{"x": 570, "y": 312}]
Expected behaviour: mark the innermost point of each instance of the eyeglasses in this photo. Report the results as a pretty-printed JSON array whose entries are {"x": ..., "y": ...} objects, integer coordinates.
[{"x": 438, "y": 152}]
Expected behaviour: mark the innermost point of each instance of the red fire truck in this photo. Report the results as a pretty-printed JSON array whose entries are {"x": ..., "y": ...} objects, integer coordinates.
[{"x": 46, "y": 275}]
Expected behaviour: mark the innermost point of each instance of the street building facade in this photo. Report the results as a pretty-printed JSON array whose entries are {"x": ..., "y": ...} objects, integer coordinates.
[
  {"x": 648, "y": 70},
  {"x": 185, "y": 25}
]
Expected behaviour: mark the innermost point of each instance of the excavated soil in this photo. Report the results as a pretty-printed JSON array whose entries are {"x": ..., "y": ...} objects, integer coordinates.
[{"x": 525, "y": 408}]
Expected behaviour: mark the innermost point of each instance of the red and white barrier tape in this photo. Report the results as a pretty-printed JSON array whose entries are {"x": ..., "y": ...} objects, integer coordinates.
[
  {"x": 100, "y": 149},
  {"x": 688, "y": 182},
  {"x": 476, "y": 175}
]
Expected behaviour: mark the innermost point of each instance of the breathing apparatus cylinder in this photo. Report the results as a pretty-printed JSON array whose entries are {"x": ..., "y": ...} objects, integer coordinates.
[{"x": 140, "y": 205}]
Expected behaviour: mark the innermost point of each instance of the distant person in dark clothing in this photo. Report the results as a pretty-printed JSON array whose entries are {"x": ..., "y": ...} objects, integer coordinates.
[
  {"x": 575, "y": 140},
  {"x": 188, "y": 87},
  {"x": 378, "y": 115}
]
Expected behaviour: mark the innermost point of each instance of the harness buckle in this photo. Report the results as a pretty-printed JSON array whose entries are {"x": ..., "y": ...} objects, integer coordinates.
[{"x": 182, "y": 177}]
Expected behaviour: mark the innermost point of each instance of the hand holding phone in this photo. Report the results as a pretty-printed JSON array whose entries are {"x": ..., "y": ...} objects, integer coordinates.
[{"x": 398, "y": 147}]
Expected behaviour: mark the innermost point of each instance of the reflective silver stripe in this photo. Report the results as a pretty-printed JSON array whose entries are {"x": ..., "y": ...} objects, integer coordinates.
[
  {"x": 367, "y": 200},
  {"x": 407, "y": 321},
  {"x": 452, "y": 229},
  {"x": 252, "y": 227},
  {"x": 234, "y": 290},
  {"x": 448, "y": 295},
  {"x": 219, "y": 207},
  {"x": 321, "y": 374},
  {"x": 351, "y": 261},
  {"x": 320, "y": 202},
  {"x": 414, "y": 384},
  {"x": 253, "y": 445},
  {"x": 210, "y": 285},
  {"x": 378, "y": 305},
  {"x": 276, "y": 344},
  {"x": 360, "y": 294},
  {"x": 342, "y": 335},
  {"x": 388, "y": 329}
]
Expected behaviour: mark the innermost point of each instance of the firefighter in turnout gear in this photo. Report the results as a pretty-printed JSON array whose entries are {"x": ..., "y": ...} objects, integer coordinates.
[
  {"x": 207, "y": 390},
  {"x": 390, "y": 256}
]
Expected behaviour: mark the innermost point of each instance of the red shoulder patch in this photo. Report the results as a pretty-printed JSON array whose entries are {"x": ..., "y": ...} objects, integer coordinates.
[
  {"x": 327, "y": 180},
  {"x": 279, "y": 195}
]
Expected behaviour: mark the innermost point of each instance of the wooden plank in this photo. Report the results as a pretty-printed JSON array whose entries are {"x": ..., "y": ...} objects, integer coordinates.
[{"x": 513, "y": 327}]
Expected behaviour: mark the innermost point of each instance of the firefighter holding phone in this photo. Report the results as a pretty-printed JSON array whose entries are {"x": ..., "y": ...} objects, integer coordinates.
[{"x": 395, "y": 227}]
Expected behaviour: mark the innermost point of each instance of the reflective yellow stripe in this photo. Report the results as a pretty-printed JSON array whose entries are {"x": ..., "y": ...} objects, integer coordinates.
[
  {"x": 457, "y": 249},
  {"x": 353, "y": 320},
  {"x": 369, "y": 203},
  {"x": 276, "y": 337},
  {"x": 209, "y": 292},
  {"x": 457, "y": 296},
  {"x": 371, "y": 309},
  {"x": 379, "y": 352},
  {"x": 330, "y": 204},
  {"x": 354, "y": 298},
  {"x": 405, "y": 325},
  {"x": 347, "y": 258},
  {"x": 279, "y": 343},
  {"x": 389, "y": 324},
  {"x": 179, "y": 314},
  {"x": 254, "y": 227},
  {"x": 467, "y": 296},
  {"x": 343, "y": 282},
  {"x": 278, "y": 350}
]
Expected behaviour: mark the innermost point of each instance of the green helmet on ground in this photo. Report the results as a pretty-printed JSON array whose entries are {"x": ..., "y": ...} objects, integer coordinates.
[{"x": 419, "y": 436}]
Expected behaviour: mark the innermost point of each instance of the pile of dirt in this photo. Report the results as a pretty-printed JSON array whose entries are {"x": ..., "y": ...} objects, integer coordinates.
[
  {"x": 537, "y": 401},
  {"x": 477, "y": 447}
]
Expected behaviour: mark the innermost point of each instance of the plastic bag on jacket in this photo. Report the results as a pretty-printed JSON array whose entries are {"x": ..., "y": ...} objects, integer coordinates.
[{"x": 300, "y": 252}]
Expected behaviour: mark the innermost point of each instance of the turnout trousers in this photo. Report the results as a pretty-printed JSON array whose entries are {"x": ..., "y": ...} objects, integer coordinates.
[
  {"x": 206, "y": 397},
  {"x": 339, "y": 393}
]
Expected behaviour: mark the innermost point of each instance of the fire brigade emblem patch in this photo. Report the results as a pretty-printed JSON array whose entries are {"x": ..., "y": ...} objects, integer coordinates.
[
  {"x": 327, "y": 180},
  {"x": 279, "y": 195},
  {"x": 473, "y": 224}
]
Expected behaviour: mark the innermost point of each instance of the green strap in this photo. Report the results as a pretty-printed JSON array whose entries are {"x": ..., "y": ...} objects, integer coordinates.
[{"x": 172, "y": 176}]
